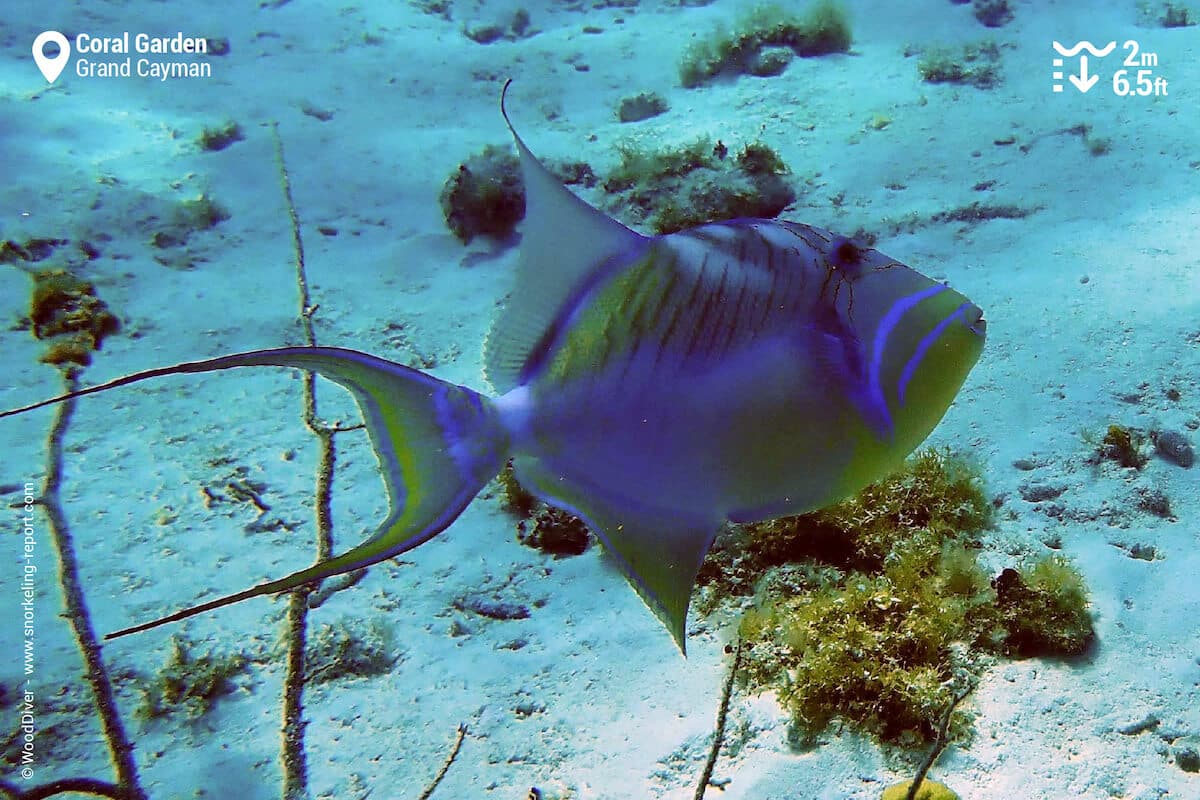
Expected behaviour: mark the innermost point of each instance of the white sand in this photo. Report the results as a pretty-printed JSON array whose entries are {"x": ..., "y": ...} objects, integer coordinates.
[{"x": 617, "y": 713}]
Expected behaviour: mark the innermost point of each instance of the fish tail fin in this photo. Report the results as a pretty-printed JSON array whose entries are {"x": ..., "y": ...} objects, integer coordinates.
[{"x": 437, "y": 445}]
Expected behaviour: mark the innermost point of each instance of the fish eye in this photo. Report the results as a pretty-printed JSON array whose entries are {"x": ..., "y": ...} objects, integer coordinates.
[{"x": 845, "y": 253}]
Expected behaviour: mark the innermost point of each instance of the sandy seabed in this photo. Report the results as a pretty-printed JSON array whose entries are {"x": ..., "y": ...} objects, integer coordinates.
[{"x": 1092, "y": 301}]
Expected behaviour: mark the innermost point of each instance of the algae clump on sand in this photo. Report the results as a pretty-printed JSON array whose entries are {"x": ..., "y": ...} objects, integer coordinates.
[
  {"x": 671, "y": 189},
  {"x": 65, "y": 310},
  {"x": 189, "y": 680},
  {"x": 764, "y": 35},
  {"x": 874, "y": 610}
]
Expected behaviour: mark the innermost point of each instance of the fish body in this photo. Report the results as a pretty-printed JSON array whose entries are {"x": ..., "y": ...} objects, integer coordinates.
[
  {"x": 739, "y": 371},
  {"x": 658, "y": 387},
  {"x": 736, "y": 357}
]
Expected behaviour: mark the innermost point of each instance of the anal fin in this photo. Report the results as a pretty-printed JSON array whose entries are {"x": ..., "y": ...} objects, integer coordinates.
[{"x": 659, "y": 551}]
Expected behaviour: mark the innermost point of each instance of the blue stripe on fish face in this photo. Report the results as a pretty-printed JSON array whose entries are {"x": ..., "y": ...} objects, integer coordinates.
[
  {"x": 924, "y": 344},
  {"x": 923, "y": 347},
  {"x": 887, "y": 325}
]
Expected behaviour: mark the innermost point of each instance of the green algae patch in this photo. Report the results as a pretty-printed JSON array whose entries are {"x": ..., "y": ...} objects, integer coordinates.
[
  {"x": 764, "y": 41},
  {"x": 641, "y": 106},
  {"x": 355, "y": 649},
  {"x": 675, "y": 188},
  {"x": 485, "y": 196},
  {"x": 555, "y": 532},
  {"x": 934, "y": 492},
  {"x": 65, "y": 311},
  {"x": 874, "y": 611},
  {"x": 514, "y": 497},
  {"x": 975, "y": 65},
  {"x": 1126, "y": 446},
  {"x": 218, "y": 137},
  {"x": 878, "y": 651},
  {"x": 189, "y": 680},
  {"x": 1044, "y": 609},
  {"x": 551, "y": 530}
]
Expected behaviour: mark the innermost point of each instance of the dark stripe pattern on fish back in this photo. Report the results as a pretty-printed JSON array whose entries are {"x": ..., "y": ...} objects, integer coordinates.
[{"x": 693, "y": 298}]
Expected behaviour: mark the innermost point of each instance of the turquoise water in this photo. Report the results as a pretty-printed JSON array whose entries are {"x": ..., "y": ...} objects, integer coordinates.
[{"x": 1067, "y": 216}]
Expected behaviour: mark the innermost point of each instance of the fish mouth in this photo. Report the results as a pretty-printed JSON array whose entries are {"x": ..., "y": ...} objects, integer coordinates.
[{"x": 975, "y": 321}]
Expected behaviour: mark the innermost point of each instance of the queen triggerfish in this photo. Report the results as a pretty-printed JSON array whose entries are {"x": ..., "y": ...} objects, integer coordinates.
[{"x": 656, "y": 386}]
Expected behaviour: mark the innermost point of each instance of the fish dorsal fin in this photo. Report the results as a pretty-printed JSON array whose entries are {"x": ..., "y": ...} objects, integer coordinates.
[
  {"x": 658, "y": 551},
  {"x": 562, "y": 239}
]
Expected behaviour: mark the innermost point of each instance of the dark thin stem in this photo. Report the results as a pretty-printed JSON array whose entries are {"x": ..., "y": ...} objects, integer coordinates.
[
  {"x": 939, "y": 743},
  {"x": 304, "y": 598},
  {"x": 722, "y": 713},
  {"x": 295, "y": 759},
  {"x": 119, "y": 746},
  {"x": 307, "y": 309},
  {"x": 68, "y": 785},
  {"x": 458, "y": 740},
  {"x": 332, "y": 586}
]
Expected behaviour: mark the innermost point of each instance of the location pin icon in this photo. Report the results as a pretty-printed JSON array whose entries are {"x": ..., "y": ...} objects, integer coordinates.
[{"x": 52, "y": 66}]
